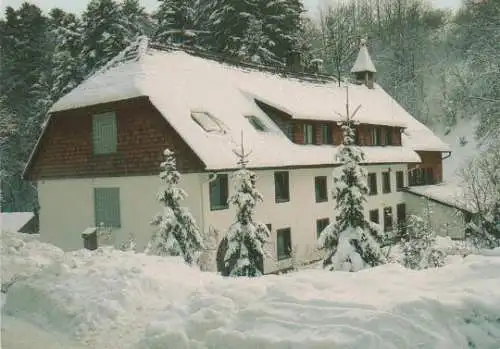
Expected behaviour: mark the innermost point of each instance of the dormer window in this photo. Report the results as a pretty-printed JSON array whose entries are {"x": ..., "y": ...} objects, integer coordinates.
[
  {"x": 208, "y": 122},
  {"x": 256, "y": 123}
]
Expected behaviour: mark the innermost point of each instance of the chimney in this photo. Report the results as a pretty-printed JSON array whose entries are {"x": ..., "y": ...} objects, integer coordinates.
[
  {"x": 293, "y": 62},
  {"x": 363, "y": 67}
]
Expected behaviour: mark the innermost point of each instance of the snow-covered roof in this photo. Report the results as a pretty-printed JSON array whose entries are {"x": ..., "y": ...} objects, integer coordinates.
[
  {"x": 363, "y": 61},
  {"x": 449, "y": 194},
  {"x": 178, "y": 83},
  {"x": 14, "y": 221}
]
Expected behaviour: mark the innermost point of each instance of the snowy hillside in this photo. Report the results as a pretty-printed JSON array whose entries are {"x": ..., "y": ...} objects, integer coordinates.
[
  {"x": 112, "y": 299},
  {"x": 463, "y": 148}
]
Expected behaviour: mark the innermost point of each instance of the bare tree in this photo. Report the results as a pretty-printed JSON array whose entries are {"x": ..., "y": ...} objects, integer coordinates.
[{"x": 482, "y": 182}]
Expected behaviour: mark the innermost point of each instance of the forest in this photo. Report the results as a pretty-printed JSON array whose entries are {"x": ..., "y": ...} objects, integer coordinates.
[{"x": 442, "y": 66}]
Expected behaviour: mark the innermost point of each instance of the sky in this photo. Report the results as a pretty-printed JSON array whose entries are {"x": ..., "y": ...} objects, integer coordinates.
[{"x": 77, "y": 6}]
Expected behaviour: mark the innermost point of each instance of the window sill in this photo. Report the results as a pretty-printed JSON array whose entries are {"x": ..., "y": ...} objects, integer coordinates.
[
  {"x": 372, "y": 194},
  {"x": 219, "y": 208},
  {"x": 386, "y": 192},
  {"x": 282, "y": 258},
  {"x": 280, "y": 201},
  {"x": 321, "y": 200}
]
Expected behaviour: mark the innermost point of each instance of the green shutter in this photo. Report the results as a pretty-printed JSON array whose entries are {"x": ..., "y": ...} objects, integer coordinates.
[
  {"x": 104, "y": 133},
  {"x": 107, "y": 207}
]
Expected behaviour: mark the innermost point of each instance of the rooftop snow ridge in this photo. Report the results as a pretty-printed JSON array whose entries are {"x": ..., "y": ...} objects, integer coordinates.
[
  {"x": 143, "y": 44},
  {"x": 131, "y": 53}
]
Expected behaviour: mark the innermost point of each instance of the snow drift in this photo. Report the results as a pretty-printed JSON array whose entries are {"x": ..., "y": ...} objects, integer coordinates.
[
  {"x": 113, "y": 299},
  {"x": 24, "y": 255}
]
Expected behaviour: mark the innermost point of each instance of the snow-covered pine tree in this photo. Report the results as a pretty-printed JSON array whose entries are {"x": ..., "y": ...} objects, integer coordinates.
[
  {"x": 137, "y": 21},
  {"x": 255, "y": 45},
  {"x": 177, "y": 233},
  {"x": 66, "y": 70},
  {"x": 175, "y": 22},
  {"x": 227, "y": 23},
  {"x": 104, "y": 33},
  {"x": 281, "y": 25},
  {"x": 245, "y": 237},
  {"x": 351, "y": 242},
  {"x": 418, "y": 244},
  {"x": 24, "y": 57}
]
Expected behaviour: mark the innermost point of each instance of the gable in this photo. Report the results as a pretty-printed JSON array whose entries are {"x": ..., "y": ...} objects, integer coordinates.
[{"x": 67, "y": 146}]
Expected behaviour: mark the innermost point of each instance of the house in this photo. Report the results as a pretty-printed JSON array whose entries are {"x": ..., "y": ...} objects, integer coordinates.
[
  {"x": 19, "y": 222},
  {"x": 98, "y": 157}
]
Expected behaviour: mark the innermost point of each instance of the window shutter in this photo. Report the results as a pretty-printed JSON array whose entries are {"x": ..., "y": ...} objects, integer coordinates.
[
  {"x": 104, "y": 133},
  {"x": 107, "y": 207}
]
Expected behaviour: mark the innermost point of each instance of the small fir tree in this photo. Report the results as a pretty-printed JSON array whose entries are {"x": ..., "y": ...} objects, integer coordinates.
[
  {"x": 246, "y": 237},
  {"x": 177, "y": 233},
  {"x": 351, "y": 242}
]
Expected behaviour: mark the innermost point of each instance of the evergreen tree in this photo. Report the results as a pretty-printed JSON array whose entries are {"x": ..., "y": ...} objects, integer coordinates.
[
  {"x": 175, "y": 22},
  {"x": 177, "y": 233},
  {"x": 104, "y": 33},
  {"x": 137, "y": 21},
  {"x": 255, "y": 45},
  {"x": 418, "y": 245},
  {"x": 282, "y": 25},
  {"x": 24, "y": 58},
  {"x": 228, "y": 23},
  {"x": 351, "y": 242},
  {"x": 66, "y": 70},
  {"x": 246, "y": 237}
]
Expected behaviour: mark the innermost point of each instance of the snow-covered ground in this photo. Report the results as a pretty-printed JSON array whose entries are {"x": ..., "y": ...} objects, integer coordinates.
[{"x": 113, "y": 299}]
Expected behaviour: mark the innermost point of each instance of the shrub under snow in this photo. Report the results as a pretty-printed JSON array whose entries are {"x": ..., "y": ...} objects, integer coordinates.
[{"x": 418, "y": 245}]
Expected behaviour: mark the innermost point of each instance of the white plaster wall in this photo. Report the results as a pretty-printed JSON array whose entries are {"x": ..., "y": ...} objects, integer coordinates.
[
  {"x": 302, "y": 211},
  {"x": 445, "y": 220},
  {"x": 67, "y": 207}
]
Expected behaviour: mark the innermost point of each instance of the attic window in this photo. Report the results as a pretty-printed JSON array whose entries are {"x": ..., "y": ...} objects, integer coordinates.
[
  {"x": 208, "y": 122},
  {"x": 256, "y": 123}
]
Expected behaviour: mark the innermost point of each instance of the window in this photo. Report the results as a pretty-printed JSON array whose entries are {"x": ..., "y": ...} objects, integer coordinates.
[
  {"x": 321, "y": 189},
  {"x": 269, "y": 227},
  {"x": 308, "y": 134},
  {"x": 421, "y": 176},
  {"x": 281, "y": 186},
  {"x": 386, "y": 182},
  {"x": 107, "y": 207},
  {"x": 283, "y": 243},
  {"x": 372, "y": 183},
  {"x": 256, "y": 123},
  {"x": 401, "y": 213},
  {"x": 374, "y": 216},
  {"x": 401, "y": 217},
  {"x": 388, "y": 136},
  {"x": 321, "y": 224},
  {"x": 219, "y": 193},
  {"x": 104, "y": 136},
  {"x": 376, "y": 135},
  {"x": 325, "y": 134},
  {"x": 400, "y": 180},
  {"x": 387, "y": 218},
  {"x": 208, "y": 122}
]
